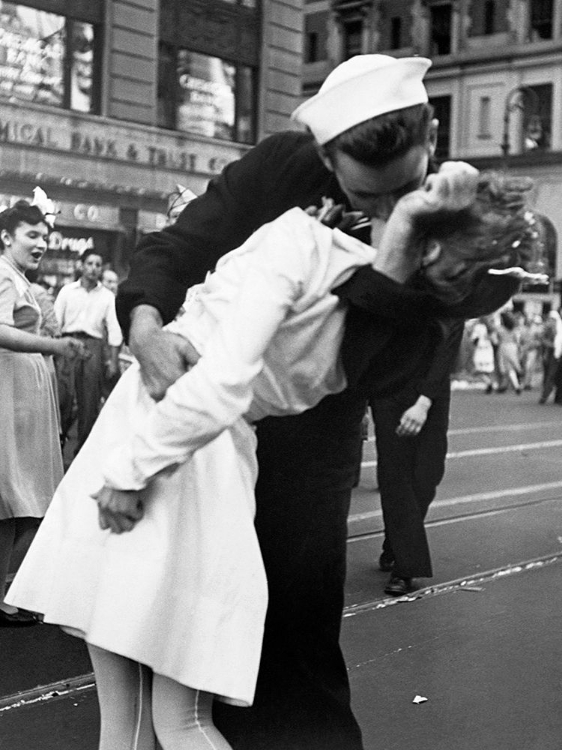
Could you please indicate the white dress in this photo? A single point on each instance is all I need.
(483, 357)
(185, 591)
(30, 455)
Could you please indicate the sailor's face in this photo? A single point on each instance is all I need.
(376, 190)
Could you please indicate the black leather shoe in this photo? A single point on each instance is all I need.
(398, 586)
(18, 619)
(386, 562)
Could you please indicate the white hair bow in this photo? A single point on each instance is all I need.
(45, 205)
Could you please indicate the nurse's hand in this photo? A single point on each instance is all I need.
(119, 510)
(452, 188)
(163, 356)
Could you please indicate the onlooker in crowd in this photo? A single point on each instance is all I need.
(177, 201)
(30, 455)
(411, 440)
(529, 349)
(551, 347)
(110, 280)
(85, 309)
(508, 354)
(49, 324)
(484, 362)
(493, 322)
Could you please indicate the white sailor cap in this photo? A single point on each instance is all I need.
(363, 87)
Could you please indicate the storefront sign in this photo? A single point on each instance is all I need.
(118, 148)
(69, 245)
(99, 216)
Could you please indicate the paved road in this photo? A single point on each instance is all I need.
(481, 642)
(484, 644)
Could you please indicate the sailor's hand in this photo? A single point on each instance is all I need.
(163, 356)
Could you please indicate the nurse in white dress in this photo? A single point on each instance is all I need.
(184, 592)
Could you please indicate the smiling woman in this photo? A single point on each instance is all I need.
(28, 408)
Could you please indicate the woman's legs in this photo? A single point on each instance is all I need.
(514, 380)
(182, 717)
(124, 694)
(131, 697)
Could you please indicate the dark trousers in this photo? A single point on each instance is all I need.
(81, 379)
(552, 377)
(306, 471)
(409, 470)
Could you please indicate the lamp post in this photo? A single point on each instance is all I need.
(516, 100)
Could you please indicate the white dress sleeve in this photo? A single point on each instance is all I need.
(219, 388)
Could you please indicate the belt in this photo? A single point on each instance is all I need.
(80, 335)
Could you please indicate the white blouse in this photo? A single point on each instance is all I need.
(269, 332)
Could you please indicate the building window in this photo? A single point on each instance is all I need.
(542, 12)
(316, 35)
(489, 17)
(537, 119)
(395, 32)
(352, 38)
(484, 117)
(206, 95)
(442, 107)
(311, 52)
(48, 58)
(441, 24)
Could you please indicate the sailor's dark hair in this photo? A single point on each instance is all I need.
(380, 140)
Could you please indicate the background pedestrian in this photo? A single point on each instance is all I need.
(85, 309)
(30, 455)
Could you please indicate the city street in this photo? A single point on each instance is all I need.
(471, 661)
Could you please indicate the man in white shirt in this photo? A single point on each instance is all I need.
(85, 309)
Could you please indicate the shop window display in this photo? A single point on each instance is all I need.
(209, 96)
(47, 58)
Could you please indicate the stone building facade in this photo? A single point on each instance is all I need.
(108, 104)
(495, 82)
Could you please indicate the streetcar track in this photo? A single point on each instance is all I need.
(515, 427)
(493, 451)
(467, 499)
(48, 692)
(466, 584)
(357, 537)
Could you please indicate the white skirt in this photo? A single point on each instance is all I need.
(185, 591)
(30, 454)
